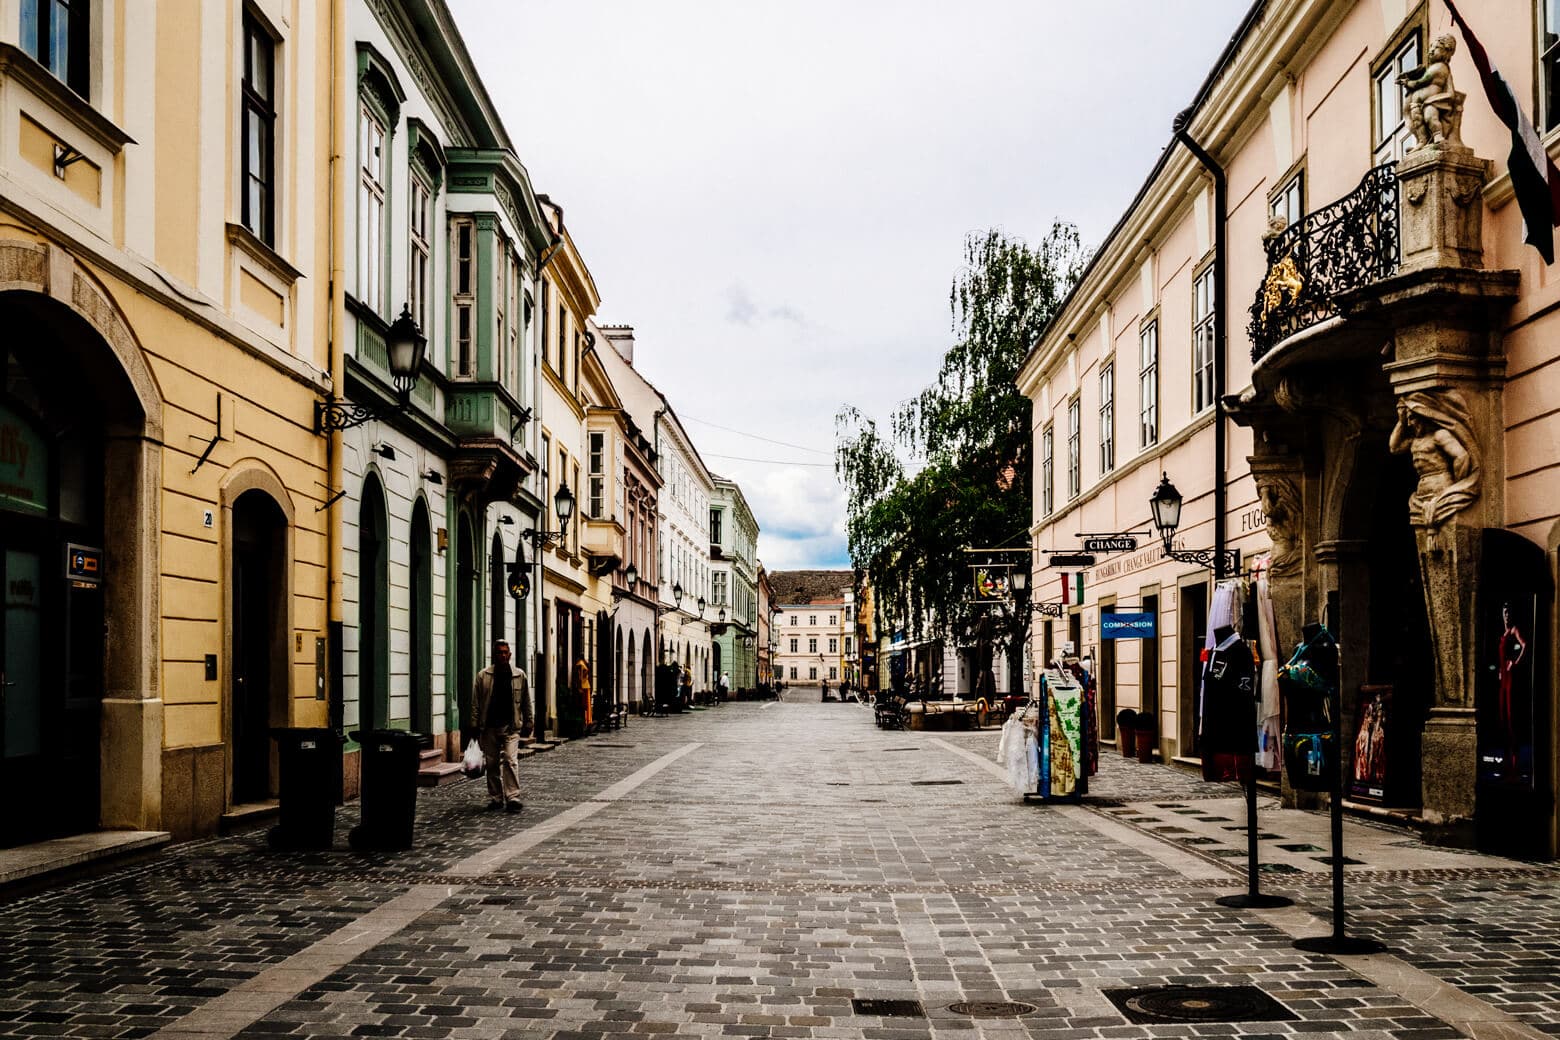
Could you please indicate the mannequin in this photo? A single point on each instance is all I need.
(1229, 725)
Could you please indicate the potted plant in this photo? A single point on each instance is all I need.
(1126, 727)
(1147, 734)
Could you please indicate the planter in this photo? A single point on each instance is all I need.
(1126, 724)
(916, 716)
(1146, 734)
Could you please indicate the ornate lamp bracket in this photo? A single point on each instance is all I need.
(1224, 564)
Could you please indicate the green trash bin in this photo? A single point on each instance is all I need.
(387, 799)
(310, 778)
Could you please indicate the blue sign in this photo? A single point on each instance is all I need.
(1128, 626)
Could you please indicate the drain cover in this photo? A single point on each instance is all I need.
(933, 783)
(597, 744)
(1158, 1005)
(991, 1008)
(887, 1008)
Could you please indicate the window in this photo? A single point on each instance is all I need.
(417, 272)
(546, 312)
(812, 620)
(793, 671)
(1289, 201)
(1202, 341)
(850, 614)
(832, 619)
(1392, 136)
(546, 476)
(510, 345)
(575, 486)
(465, 299)
(812, 673)
(795, 618)
(1148, 385)
(718, 595)
(849, 641)
(563, 340)
(500, 290)
(598, 475)
(55, 32)
(812, 645)
(1549, 61)
(259, 130)
(1047, 470)
(793, 644)
(715, 526)
(1108, 418)
(833, 672)
(371, 211)
(1074, 447)
(834, 646)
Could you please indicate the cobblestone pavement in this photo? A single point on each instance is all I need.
(790, 858)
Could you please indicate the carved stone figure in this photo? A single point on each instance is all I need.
(1434, 107)
(1281, 505)
(1436, 430)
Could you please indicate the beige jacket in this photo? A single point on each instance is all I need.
(482, 692)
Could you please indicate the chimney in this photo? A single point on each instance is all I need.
(622, 339)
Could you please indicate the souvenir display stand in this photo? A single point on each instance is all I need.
(1313, 735)
(1067, 742)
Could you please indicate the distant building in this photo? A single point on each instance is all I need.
(810, 628)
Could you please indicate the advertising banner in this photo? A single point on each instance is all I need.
(1128, 626)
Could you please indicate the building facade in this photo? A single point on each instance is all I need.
(734, 586)
(810, 629)
(444, 228)
(1346, 318)
(163, 288)
(766, 628)
(687, 488)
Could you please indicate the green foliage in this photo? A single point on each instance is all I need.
(970, 427)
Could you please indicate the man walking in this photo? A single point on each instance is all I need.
(501, 703)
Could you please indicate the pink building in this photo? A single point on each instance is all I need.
(1384, 387)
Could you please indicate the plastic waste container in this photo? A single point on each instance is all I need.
(387, 796)
(310, 781)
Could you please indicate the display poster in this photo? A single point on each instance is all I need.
(1506, 723)
(1372, 725)
(1064, 735)
(24, 466)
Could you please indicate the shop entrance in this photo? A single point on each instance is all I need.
(420, 579)
(259, 663)
(1192, 621)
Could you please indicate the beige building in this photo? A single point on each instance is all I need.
(811, 627)
(1364, 398)
(164, 257)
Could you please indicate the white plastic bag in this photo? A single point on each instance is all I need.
(473, 763)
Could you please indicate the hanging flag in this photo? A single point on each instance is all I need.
(1534, 178)
(1072, 589)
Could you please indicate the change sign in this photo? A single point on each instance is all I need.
(1128, 626)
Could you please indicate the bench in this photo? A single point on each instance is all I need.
(889, 712)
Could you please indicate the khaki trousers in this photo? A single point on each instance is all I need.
(500, 748)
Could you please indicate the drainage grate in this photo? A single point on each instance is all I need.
(888, 1008)
(1162, 1005)
(991, 1008)
(934, 783)
(597, 744)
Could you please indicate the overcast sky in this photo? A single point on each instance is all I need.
(774, 194)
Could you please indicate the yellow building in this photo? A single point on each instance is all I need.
(164, 258)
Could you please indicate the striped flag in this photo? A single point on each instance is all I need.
(1534, 178)
(1072, 589)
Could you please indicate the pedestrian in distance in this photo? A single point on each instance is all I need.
(825, 689)
(501, 713)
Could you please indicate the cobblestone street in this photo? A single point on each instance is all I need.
(753, 869)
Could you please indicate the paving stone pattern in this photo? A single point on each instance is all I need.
(794, 861)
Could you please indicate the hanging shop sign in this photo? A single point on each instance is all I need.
(1071, 560)
(991, 582)
(1128, 626)
(1111, 543)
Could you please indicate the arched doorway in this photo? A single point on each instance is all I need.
(631, 672)
(373, 608)
(717, 661)
(258, 670)
(420, 581)
(497, 594)
(646, 662)
(465, 610)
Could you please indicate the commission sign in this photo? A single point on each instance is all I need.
(1128, 626)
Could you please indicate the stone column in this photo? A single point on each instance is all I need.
(131, 741)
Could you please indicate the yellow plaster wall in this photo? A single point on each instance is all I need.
(178, 136)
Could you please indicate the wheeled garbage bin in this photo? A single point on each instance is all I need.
(310, 780)
(387, 798)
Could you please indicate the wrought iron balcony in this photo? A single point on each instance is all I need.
(1343, 246)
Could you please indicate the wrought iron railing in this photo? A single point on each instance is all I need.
(1345, 245)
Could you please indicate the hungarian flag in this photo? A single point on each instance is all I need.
(1534, 177)
(1072, 589)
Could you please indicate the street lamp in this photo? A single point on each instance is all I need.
(1020, 581)
(631, 577)
(405, 346)
(1165, 506)
(563, 505)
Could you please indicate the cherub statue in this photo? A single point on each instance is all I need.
(1433, 106)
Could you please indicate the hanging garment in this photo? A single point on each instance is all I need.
(1031, 761)
(1309, 684)
(1229, 719)
(1268, 736)
(1224, 611)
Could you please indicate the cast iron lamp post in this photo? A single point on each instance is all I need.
(1020, 581)
(405, 344)
(1165, 507)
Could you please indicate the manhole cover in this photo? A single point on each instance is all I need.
(933, 783)
(1159, 1005)
(991, 1008)
(887, 1008)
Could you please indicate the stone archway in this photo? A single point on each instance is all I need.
(92, 350)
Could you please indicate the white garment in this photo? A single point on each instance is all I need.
(1031, 761)
(1268, 754)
